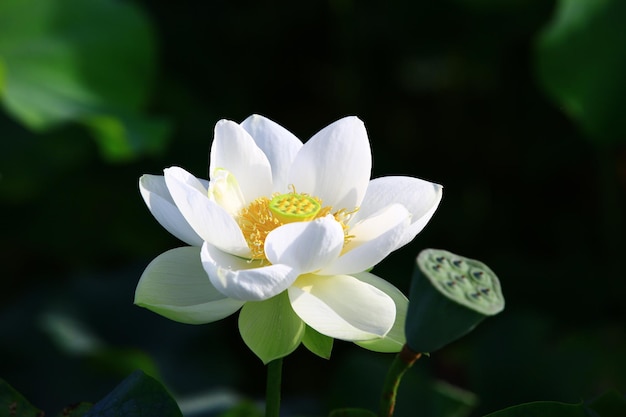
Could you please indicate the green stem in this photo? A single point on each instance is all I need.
(401, 363)
(272, 394)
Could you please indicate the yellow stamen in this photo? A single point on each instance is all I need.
(263, 215)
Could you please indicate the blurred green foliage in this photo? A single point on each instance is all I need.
(496, 100)
(581, 63)
(84, 62)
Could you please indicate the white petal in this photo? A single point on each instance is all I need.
(234, 150)
(342, 307)
(159, 201)
(335, 164)
(305, 246)
(176, 286)
(374, 239)
(243, 279)
(279, 145)
(210, 221)
(420, 197)
(395, 339)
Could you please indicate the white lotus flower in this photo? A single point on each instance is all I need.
(284, 224)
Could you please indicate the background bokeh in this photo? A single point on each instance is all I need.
(515, 107)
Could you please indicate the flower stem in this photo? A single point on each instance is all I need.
(272, 394)
(401, 363)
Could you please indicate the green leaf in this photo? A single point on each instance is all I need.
(351, 412)
(580, 62)
(138, 395)
(450, 295)
(81, 61)
(270, 328)
(319, 344)
(542, 408)
(13, 404)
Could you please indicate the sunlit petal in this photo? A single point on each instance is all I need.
(305, 246)
(342, 306)
(235, 151)
(279, 145)
(335, 164)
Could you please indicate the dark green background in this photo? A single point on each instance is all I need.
(466, 93)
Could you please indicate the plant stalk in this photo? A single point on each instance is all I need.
(401, 363)
(272, 393)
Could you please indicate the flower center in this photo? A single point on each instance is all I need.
(293, 207)
(263, 215)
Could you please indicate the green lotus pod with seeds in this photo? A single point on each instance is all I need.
(450, 295)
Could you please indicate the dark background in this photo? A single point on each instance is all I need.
(450, 91)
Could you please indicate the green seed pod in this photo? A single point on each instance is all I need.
(450, 295)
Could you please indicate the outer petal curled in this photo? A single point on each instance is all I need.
(421, 198)
(159, 201)
(374, 238)
(176, 286)
(207, 218)
(342, 306)
(242, 279)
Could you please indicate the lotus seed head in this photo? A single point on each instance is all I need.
(294, 207)
(466, 281)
